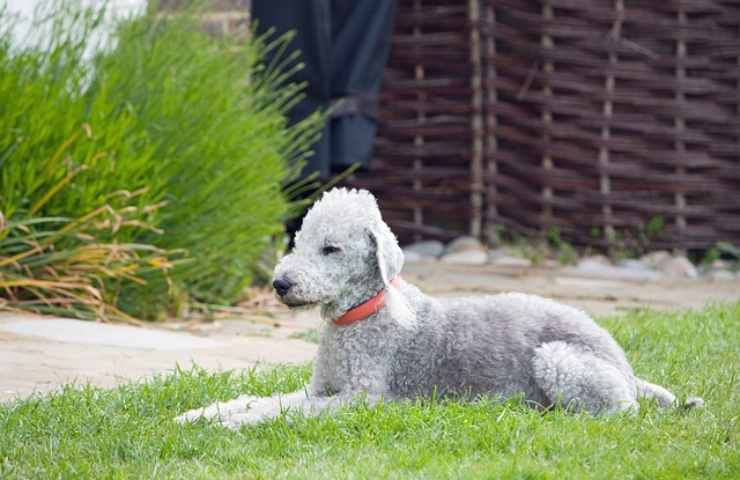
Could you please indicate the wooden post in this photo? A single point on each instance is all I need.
(680, 122)
(491, 144)
(419, 75)
(608, 111)
(549, 68)
(476, 166)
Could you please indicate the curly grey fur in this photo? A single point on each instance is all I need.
(418, 346)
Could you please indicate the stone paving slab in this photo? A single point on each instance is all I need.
(102, 334)
(34, 358)
(597, 295)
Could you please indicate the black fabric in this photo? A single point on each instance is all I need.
(345, 46)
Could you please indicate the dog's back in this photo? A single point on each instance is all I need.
(485, 344)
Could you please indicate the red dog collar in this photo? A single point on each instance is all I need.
(366, 308)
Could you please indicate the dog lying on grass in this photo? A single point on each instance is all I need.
(383, 339)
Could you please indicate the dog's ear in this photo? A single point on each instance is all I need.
(388, 254)
(389, 257)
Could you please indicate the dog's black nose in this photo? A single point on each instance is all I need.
(282, 285)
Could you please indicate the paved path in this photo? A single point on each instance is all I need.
(39, 354)
(598, 295)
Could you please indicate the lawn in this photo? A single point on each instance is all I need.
(129, 431)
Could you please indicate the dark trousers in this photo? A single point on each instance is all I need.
(345, 46)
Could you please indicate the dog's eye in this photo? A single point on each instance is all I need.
(329, 249)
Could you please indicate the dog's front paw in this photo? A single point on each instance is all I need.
(191, 416)
(235, 422)
(218, 410)
(260, 411)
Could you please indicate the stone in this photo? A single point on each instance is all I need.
(470, 257)
(412, 256)
(678, 267)
(652, 259)
(495, 253)
(552, 264)
(632, 264)
(590, 268)
(464, 244)
(721, 275)
(465, 251)
(425, 249)
(637, 266)
(510, 261)
(583, 284)
(600, 259)
(721, 265)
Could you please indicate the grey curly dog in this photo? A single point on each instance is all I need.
(383, 339)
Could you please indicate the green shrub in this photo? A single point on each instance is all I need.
(193, 123)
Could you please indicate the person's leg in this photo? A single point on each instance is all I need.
(361, 44)
(344, 46)
(310, 24)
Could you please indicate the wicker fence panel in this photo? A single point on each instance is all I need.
(592, 116)
(421, 170)
(604, 114)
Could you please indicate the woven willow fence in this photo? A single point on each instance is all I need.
(597, 117)
(421, 172)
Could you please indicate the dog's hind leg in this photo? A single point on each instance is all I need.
(577, 379)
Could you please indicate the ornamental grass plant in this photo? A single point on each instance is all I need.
(194, 125)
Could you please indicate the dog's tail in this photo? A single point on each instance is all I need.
(664, 397)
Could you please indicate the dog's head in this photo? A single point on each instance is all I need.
(344, 253)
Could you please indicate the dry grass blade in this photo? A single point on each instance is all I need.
(74, 267)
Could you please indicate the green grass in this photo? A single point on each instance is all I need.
(129, 432)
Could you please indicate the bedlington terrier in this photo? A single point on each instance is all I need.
(383, 339)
